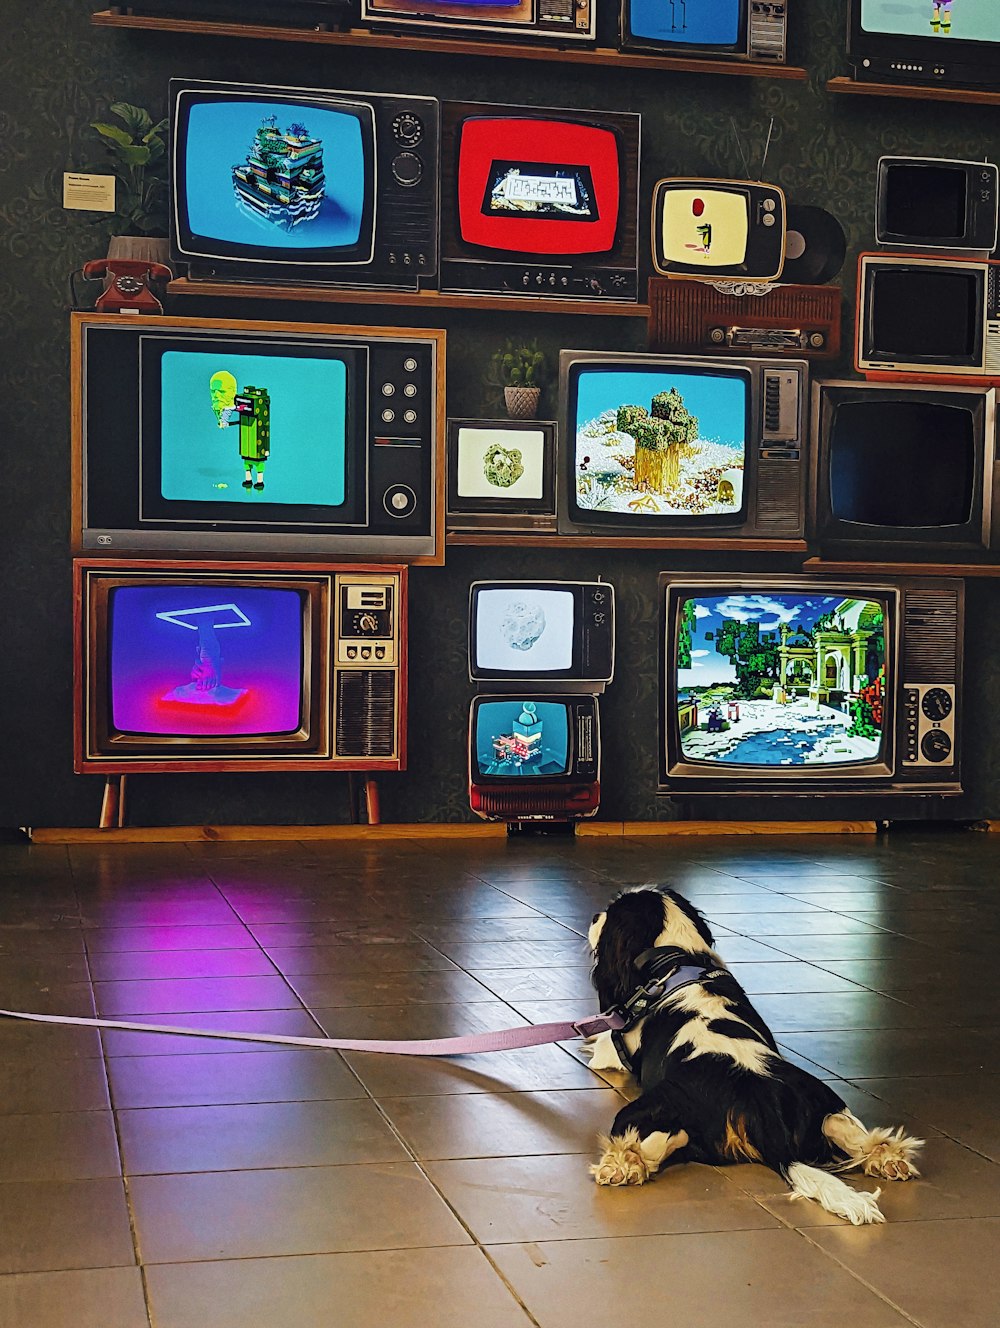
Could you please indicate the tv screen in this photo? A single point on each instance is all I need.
(657, 442)
(929, 201)
(538, 186)
(524, 630)
(212, 661)
(708, 227)
(777, 679)
(925, 313)
(223, 413)
(713, 24)
(902, 464)
(274, 177)
(969, 20)
(522, 739)
(497, 463)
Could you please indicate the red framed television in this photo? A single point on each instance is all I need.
(539, 202)
(182, 666)
(534, 757)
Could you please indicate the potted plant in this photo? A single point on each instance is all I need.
(136, 153)
(521, 371)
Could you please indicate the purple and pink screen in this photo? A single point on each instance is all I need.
(212, 661)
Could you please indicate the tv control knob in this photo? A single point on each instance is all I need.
(407, 169)
(410, 390)
(594, 285)
(352, 652)
(366, 652)
(937, 704)
(717, 336)
(935, 745)
(410, 364)
(817, 340)
(598, 596)
(984, 176)
(407, 129)
(767, 219)
(367, 622)
(410, 416)
(380, 652)
(399, 500)
(388, 415)
(388, 389)
(598, 619)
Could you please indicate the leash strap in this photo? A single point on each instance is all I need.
(507, 1039)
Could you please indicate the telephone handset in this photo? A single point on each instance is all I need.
(127, 287)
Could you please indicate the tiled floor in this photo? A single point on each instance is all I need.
(177, 1183)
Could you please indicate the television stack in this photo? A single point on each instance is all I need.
(540, 653)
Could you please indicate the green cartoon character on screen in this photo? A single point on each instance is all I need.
(250, 410)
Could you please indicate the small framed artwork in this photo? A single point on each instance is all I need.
(501, 475)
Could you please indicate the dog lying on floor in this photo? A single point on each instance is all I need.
(715, 1087)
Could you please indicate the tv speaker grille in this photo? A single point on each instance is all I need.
(366, 712)
(778, 507)
(930, 636)
(500, 802)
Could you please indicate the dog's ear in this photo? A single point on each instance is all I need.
(630, 925)
(693, 916)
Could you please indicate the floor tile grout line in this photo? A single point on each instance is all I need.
(803, 1232)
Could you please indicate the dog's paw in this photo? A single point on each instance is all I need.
(622, 1162)
(892, 1158)
(603, 1055)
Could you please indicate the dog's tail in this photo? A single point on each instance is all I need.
(858, 1207)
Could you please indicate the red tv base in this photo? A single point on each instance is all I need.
(541, 802)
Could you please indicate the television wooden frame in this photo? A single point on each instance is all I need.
(79, 322)
(94, 578)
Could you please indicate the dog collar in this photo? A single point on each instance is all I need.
(662, 973)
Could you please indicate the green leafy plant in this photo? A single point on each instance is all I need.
(136, 153)
(517, 365)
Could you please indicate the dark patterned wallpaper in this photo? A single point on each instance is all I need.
(58, 73)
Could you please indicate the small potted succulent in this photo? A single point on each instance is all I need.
(521, 370)
(136, 154)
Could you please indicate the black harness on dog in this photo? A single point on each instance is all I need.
(662, 973)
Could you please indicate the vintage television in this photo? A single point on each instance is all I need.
(948, 45)
(935, 203)
(556, 21)
(718, 229)
(524, 633)
(806, 685)
(539, 202)
(501, 475)
(904, 466)
(718, 29)
(934, 319)
(234, 438)
(534, 756)
(183, 666)
(682, 448)
(280, 185)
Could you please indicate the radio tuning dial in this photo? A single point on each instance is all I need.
(936, 704)
(407, 129)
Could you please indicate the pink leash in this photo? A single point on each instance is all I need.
(506, 1039)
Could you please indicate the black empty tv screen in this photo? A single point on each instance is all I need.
(902, 464)
(925, 314)
(926, 202)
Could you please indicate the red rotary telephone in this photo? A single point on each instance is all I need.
(127, 284)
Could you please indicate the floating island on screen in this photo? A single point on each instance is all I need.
(653, 462)
(780, 679)
(282, 180)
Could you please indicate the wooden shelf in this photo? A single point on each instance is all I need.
(902, 569)
(971, 96)
(235, 290)
(604, 56)
(556, 541)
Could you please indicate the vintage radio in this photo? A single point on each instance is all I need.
(692, 316)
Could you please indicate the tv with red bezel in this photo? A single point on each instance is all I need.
(539, 202)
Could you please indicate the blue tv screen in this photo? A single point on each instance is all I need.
(522, 739)
(274, 178)
(707, 24)
(208, 661)
(782, 679)
(245, 429)
(658, 442)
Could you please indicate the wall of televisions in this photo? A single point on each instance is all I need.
(262, 505)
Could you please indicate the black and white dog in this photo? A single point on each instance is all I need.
(715, 1087)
